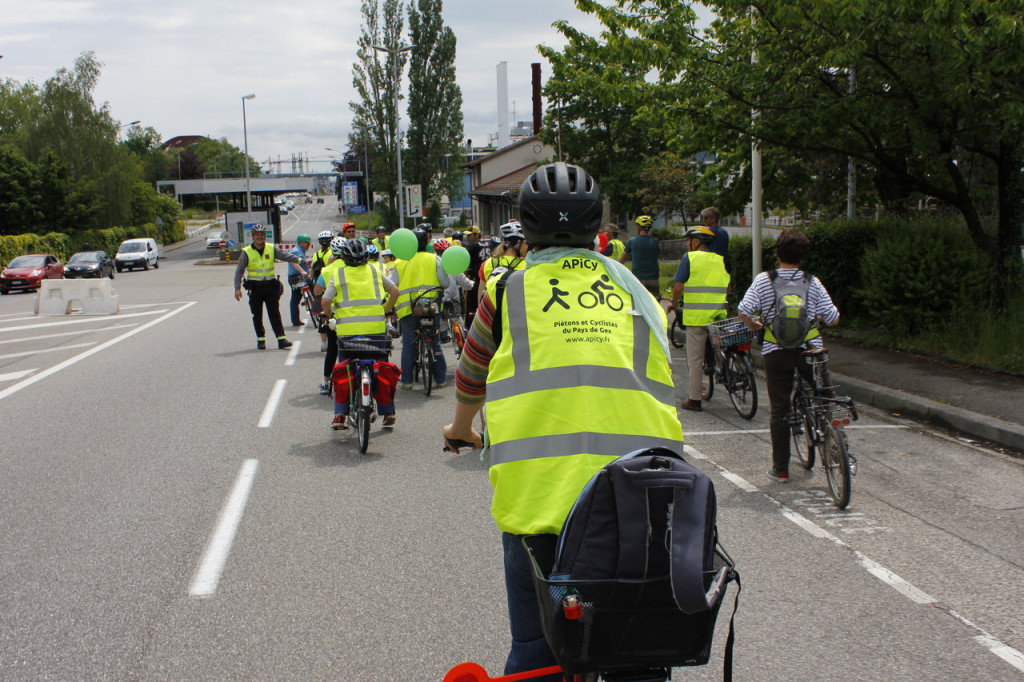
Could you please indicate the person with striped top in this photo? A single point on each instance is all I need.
(790, 249)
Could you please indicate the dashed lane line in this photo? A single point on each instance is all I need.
(47, 350)
(11, 376)
(267, 418)
(207, 576)
(739, 432)
(907, 589)
(293, 354)
(82, 320)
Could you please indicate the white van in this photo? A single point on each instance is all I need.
(137, 253)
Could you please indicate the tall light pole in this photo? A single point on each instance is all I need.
(245, 136)
(395, 52)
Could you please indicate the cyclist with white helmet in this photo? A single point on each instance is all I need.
(331, 342)
(510, 255)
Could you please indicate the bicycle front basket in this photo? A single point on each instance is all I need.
(623, 624)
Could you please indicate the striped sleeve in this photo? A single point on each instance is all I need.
(471, 374)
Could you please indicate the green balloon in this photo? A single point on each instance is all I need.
(403, 243)
(455, 259)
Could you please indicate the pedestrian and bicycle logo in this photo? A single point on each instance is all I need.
(587, 300)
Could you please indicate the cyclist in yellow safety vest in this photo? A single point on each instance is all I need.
(511, 254)
(415, 276)
(577, 376)
(330, 346)
(381, 240)
(354, 294)
(703, 283)
(615, 248)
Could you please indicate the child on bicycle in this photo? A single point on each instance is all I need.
(790, 249)
(354, 294)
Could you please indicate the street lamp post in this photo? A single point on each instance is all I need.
(395, 52)
(245, 136)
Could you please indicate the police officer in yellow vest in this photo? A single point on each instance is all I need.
(414, 277)
(703, 283)
(354, 294)
(257, 263)
(578, 376)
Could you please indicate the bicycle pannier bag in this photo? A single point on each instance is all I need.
(387, 374)
(341, 378)
(790, 324)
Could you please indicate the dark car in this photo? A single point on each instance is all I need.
(319, 200)
(26, 273)
(89, 264)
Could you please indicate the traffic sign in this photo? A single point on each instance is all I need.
(357, 209)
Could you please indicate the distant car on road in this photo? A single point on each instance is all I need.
(284, 208)
(319, 200)
(218, 240)
(26, 273)
(89, 264)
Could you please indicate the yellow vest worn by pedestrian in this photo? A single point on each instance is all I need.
(704, 292)
(513, 262)
(415, 276)
(577, 381)
(260, 267)
(357, 301)
(618, 248)
(380, 242)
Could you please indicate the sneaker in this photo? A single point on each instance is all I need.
(405, 387)
(443, 384)
(300, 323)
(339, 422)
(692, 406)
(323, 347)
(389, 421)
(325, 388)
(261, 344)
(284, 343)
(779, 475)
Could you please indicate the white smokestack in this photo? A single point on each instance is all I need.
(503, 129)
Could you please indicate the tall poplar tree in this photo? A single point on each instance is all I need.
(435, 106)
(374, 80)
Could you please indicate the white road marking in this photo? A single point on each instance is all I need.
(293, 354)
(11, 376)
(908, 590)
(48, 350)
(275, 397)
(204, 584)
(92, 351)
(74, 333)
(740, 432)
(81, 320)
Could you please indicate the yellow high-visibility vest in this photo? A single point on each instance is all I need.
(357, 301)
(704, 292)
(415, 276)
(260, 267)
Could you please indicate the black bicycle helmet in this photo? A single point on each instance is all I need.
(560, 205)
(421, 238)
(354, 252)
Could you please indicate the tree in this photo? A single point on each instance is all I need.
(435, 105)
(596, 89)
(18, 196)
(374, 79)
(667, 187)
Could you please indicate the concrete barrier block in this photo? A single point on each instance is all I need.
(64, 296)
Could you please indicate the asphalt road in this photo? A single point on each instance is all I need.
(131, 444)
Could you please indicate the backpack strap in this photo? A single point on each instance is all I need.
(687, 545)
(500, 295)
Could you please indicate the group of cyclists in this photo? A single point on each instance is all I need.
(359, 289)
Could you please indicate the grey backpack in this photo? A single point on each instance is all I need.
(790, 324)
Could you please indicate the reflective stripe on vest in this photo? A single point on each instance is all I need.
(705, 291)
(573, 385)
(618, 248)
(260, 267)
(415, 276)
(357, 301)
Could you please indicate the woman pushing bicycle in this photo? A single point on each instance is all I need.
(789, 301)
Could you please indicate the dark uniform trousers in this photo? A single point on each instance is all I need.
(266, 294)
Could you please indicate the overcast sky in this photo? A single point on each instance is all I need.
(181, 66)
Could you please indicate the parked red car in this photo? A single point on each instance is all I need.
(27, 272)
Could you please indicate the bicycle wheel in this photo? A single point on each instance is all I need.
(835, 457)
(707, 388)
(801, 428)
(741, 385)
(677, 333)
(363, 412)
(426, 365)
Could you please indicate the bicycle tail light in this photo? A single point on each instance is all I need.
(743, 347)
(572, 607)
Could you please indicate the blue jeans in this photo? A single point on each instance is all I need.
(409, 325)
(529, 650)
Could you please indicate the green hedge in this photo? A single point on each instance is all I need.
(64, 245)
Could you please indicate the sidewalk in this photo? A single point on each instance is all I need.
(979, 404)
